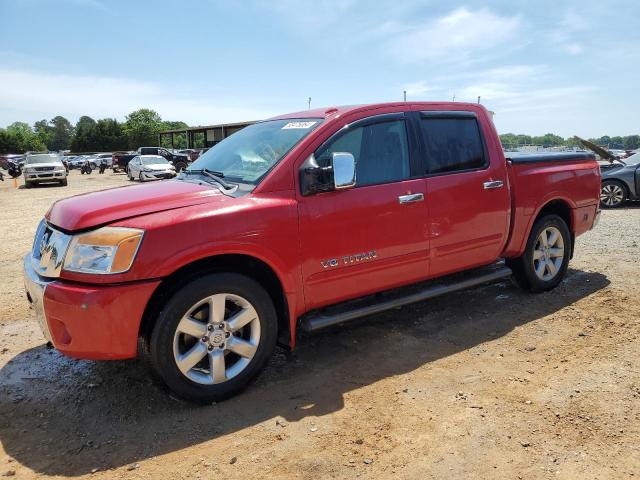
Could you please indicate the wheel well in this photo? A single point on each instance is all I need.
(563, 210)
(242, 264)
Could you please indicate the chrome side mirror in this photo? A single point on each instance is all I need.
(344, 170)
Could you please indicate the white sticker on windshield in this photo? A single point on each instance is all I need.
(298, 125)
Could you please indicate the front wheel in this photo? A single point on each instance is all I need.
(545, 260)
(213, 337)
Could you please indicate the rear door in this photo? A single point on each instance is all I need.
(467, 192)
(373, 236)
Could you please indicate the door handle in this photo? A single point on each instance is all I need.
(413, 197)
(493, 184)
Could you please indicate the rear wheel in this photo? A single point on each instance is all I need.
(545, 260)
(612, 194)
(213, 337)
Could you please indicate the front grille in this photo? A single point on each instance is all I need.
(44, 169)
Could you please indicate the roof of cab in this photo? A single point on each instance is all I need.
(339, 111)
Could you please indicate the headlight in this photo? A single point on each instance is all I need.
(106, 250)
(29, 170)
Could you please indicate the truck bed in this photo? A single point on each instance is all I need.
(569, 178)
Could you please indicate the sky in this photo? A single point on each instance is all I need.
(565, 67)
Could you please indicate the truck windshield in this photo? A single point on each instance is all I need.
(45, 158)
(247, 155)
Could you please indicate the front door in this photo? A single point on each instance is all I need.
(371, 237)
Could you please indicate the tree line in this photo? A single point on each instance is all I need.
(140, 128)
(510, 140)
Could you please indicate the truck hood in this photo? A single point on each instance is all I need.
(95, 209)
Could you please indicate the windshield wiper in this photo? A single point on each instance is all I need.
(214, 175)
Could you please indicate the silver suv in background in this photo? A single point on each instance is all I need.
(44, 167)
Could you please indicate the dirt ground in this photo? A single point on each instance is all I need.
(489, 383)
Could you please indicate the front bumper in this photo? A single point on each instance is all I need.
(45, 176)
(159, 175)
(97, 322)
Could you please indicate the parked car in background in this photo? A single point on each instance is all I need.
(620, 181)
(282, 225)
(178, 160)
(192, 153)
(76, 162)
(104, 157)
(44, 167)
(621, 154)
(12, 163)
(150, 167)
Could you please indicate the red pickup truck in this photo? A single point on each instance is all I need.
(295, 223)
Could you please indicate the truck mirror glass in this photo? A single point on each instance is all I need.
(344, 170)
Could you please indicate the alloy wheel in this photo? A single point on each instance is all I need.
(611, 195)
(216, 339)
(548, 253)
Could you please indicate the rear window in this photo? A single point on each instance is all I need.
(452, 144)
(153, 160)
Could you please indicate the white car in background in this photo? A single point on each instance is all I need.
(150, 167)
(44, 167)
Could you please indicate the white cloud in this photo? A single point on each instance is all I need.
(417, 88)
(573, 48)
(97, 4)
(454, 37)
(37, 95)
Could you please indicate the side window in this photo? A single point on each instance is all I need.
(452, 144)
(380, 149)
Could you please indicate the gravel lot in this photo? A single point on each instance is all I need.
(489, 383)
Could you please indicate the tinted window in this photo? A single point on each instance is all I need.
(452, 144)
(380, 150)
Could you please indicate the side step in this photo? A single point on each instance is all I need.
(326, 318)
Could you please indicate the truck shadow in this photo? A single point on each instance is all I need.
(64, 417)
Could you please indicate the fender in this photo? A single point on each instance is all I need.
(520, 233)
(288, 275)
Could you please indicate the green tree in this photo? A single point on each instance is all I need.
(632, 142)
(142, 128)
(61, 133)
(44, 131)
(84, 135)
(8, 142)
(548, 140)
(109, 136)
(23, 138)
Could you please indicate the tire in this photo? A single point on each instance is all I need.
(140, 177)
(64, 182)
(613, 194)
(256, 338)
(28, 184)
(180, 166)
(551, 262)
(131, 179)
